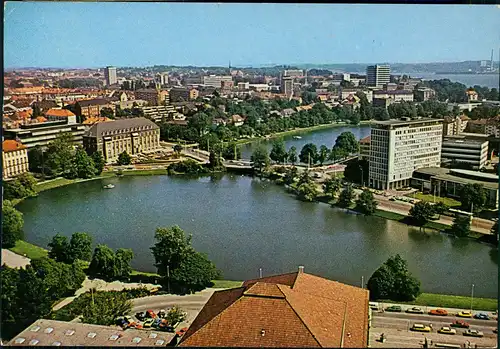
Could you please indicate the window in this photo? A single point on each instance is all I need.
(48, 330)
(113, 337)
(35, 329)
(153, 335)
(136, 340)
(19, 340)
(160, 342)
(69, 332)
(34, 342)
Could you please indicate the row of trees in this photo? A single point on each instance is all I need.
(12, 224)
(21, 187)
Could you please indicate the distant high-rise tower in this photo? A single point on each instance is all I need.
(491, 64)
(287, 86)
(110, 76)
(378, 75)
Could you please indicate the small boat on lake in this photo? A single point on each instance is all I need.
(297, 137)
(109, 186)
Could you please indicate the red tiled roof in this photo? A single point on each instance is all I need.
(12, 145)
(59, 113)
(289, 310)
(365, 140)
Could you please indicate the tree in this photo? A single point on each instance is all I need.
(309, 154)
(195, 273)
(103, 264)
(332, 186)
(347, 142)
(346, 196)
(422, 212)
(105, 308)
(99, 162)
(80, 247)
(473, 197)
(323, 154)
(83, 164)
(201, 122)
(123, 258)
(366, 202)
(107, 112)
(440, 208)
(290, 175)
(29, 184)
(356, 171)
(178, 149)
(59, 248)
(494, 231)
(260, 158)
(36, 112)
(380, 113)
(392, 280)
(461, 226)
(231, 151)
(171, 247)
(175, 315)
(124, 159)
(307, 191)
(278, 152)
(337, 154)
(292, 155)
(214, 161)
(60, 154)
(12, 224)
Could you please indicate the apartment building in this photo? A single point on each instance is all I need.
(399, 147)
(110, 76)
(15, 158)
(294, 73)
(460, 149)
(182, 94)
(395, 95)
(134, 136)
(378, 75)
(423, 94)
(364, 148)
(157, 113)
(153, 96)
(43, 133)
(56, 114)
(216, 80)
(455, 125)
(92, 108)
(287, 86)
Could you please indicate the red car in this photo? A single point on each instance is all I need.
(150, 314)
(460, 323)
(438, 312)
(181, 332)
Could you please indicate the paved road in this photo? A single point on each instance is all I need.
(14, 260)
(396, 328)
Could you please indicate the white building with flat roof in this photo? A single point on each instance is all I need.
(460, 149)
(378, 75)
(399, 147)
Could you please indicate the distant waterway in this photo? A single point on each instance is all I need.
(488, 80)
(244, 224)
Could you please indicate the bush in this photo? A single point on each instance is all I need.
(187, 167)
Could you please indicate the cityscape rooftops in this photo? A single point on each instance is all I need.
(59, 113)
(12, 145)
(120, 126)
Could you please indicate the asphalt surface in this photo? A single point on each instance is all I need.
(13, 260)
(396, 327)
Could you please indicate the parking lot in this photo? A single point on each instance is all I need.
(396, 326)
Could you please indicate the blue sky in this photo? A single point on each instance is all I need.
(142, 34)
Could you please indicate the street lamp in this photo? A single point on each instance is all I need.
(168, 278)
(362, 176)
(471, 297)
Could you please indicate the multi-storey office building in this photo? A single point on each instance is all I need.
(399, 147)
(378, 75)
(216, 80)
(110, 76)
(286, 87)
(460, 149)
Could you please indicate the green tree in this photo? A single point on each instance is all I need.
(99, 162)
(440, 208)
(59, 248)
(422, 212)
(201, 122)
(28, 181)
(105, 308)
(214, 161)
(178, 149)
(337, 154)
(366, 202)
(175, 315)
(473, 197)
(461, 226)
(278, 152)
(392, 280)
(12, 224)
(231, 152)
(80, 247)
(307, 191)
(103, 263)
(323, 154)
(84, 164)
(332, 186)
(309, 154)
(123, 258)
(124, 159)
(347, 142)
(13, 190)
(292, 155)
(107, 112)
(346, 196)
(59, 154)
(260, 158)
(195, 273)
(290, 175)
(171, 248)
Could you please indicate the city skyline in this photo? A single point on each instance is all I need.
(54, 34)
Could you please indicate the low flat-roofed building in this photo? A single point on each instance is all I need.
(15, 158)
(59, 333)
(56, 114)
(448, 182)
(158, 112)
(136, 135)
(461, 149)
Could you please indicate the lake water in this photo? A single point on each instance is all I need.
(244, 224)
(488, 80)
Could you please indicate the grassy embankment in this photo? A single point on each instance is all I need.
(430, 198)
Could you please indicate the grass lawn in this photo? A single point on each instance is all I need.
(226, 283)
(449, 301)
(31, 251)
(430, 198)
(389, 215)
(58, 182)
(136, 272)
(159, 171)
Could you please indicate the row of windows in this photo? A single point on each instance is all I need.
(129, 130)
(17, 161)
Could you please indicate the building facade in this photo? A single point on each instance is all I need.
(181, 94)
(216, 80)
(15, 158)
(60, 114)
(153, 96)
(423, 94)
(399, 147)
(294, 73)
(287, 86)
(364, 148)
(157, 113)
(110, 76)
(455, 125)
(395, 95)
(378, 75)
(134, 136)
(92, 108)
(460, 149)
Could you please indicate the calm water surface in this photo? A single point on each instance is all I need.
(244, 224)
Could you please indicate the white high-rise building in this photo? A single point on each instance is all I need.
(399, 147)
(378, 75)
(216, 80)
(110, 76)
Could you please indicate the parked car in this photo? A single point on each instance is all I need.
(438, 312)
(464, 314)
(181, 332)
(481, 316)
(460, 324)
(447, 330)
(473, 333)
(140, 315)
(150, 314)
(148, 323)
(394, 308)
(421, 328)
(415, 310)
(157, 322)
(162, 313)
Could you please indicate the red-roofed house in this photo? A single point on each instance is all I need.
(289, 310)
(237, 120)
(15, 158)
(60, 114)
